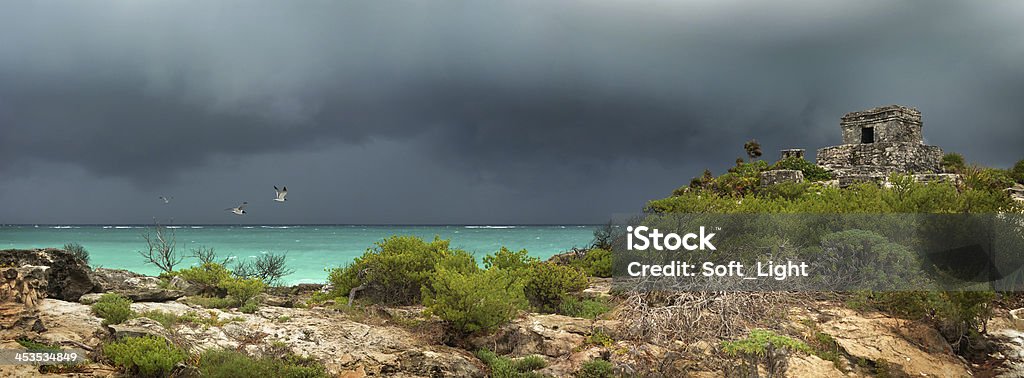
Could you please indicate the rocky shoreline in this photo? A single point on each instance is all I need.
(46, 296)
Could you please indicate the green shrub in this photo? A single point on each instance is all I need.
(596, 369)
(881, 264)
(1017, 172)
(546, 284)
(953, 163)
(600, 338)
(762, 348)
(230, 364)
(210, 302)
(207, 276)
(35, 346)
(113, 308)
(596, 262)
(78, 251)
(787, 191)
(506, 259)
(396, 269)
(166, 319)
(504, 367)
(472, 302)
(249, 307)
(811, 171)
(146, 356)
(989, 179)
(242, 290)
(583, 308)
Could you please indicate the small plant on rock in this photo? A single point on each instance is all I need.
(146, 356)
(113, 308)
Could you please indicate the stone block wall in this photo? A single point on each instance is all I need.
(880, 159)
(779, 176)
(891, 124)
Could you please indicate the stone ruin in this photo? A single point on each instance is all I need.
(876, 143)
(879, 142)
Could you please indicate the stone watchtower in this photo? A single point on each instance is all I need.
(881, 141)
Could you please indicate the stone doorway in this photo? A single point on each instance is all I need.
(867, 135)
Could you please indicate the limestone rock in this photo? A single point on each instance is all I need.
(21, 290)
(344, 346)
(874, 337)
(138, 327)
(547, 335)
(67, 276)
(138, 287)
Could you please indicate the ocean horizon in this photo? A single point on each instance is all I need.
(311, 248)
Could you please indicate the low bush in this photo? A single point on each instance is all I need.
(596, 369)
(249, 307)
(230, 364)
(35, 346)
(207, 276)
(545, 284)
(472, 302)
(504, 367)
(596, 262)
(953, 163)
(811, 171)
(78, 251)
(113, 308)
(242, 290)
(762, 348)
(396, 269)
(146, 356)
(583, 308)
(210, 302)
(989, 179)
(166, 319)
(507, 259)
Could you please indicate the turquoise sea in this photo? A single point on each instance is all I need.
(311, 248)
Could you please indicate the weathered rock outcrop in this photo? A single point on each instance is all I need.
(140, 288)
(902, 347)
(344, 346)
(21, 290)
(67, 276)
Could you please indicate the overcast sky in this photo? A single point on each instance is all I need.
(486, 112)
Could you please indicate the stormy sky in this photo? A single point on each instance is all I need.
(486, 112)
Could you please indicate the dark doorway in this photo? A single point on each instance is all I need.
(867, 135)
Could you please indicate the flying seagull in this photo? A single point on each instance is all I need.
(240, 210)
(166, 200)
(280, 193)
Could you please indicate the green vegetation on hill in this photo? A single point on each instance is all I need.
(958, 315)
(408, 270)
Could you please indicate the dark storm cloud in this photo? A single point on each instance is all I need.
(536, 96)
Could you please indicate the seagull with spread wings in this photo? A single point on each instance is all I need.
(240, 210)
(280, 193)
